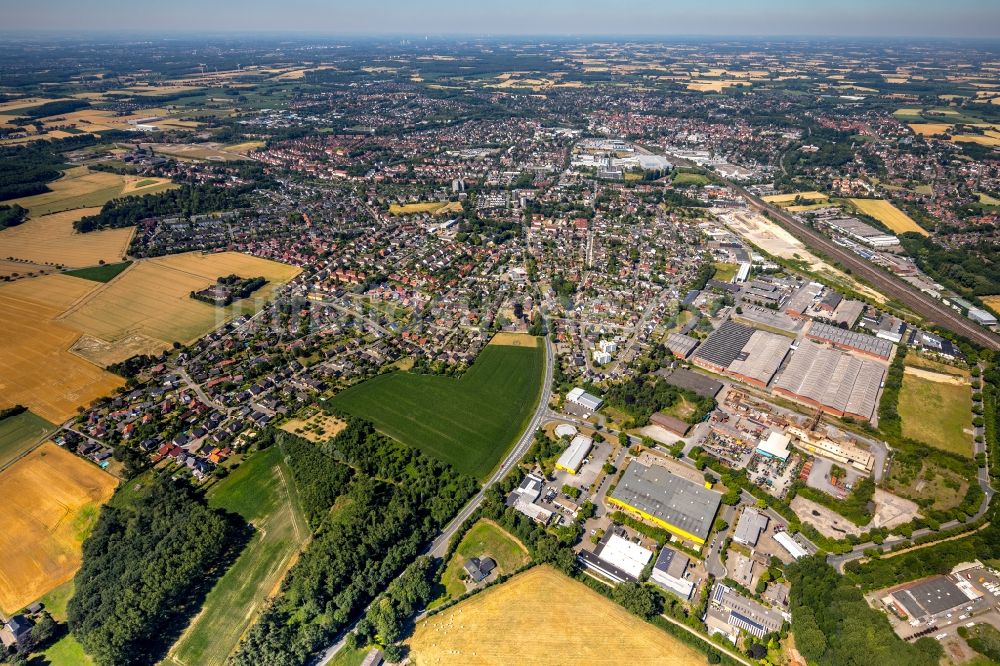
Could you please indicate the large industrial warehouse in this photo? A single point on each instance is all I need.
(844, 339)
(744, 353)
(834, 381)
(674, 503)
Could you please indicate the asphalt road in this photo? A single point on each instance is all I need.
(439, 546)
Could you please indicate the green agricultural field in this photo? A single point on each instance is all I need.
(485, 538)
(937, 413)
(18, 434)
(262, 491)
(104, 273)
(469, 422)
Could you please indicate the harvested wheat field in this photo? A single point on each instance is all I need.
(789, 198)
(547, 618)
(889, 215)
(152, 297)
(36, 368)
(992, 302)
(514, 340)
(50, 239)
(930, 129)
(80, 187)
(52, 499)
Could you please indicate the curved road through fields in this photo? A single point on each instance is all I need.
(439, 546)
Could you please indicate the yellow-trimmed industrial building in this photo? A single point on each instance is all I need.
(681, 507)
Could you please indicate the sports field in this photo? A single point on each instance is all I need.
(19, 433)
(152, 298)
(36, 368)
(937, 409)
(469, 422)
(79, 187)
(261, 491)
(485, 539)
(546, 617)
(889, 215)
(51, 500)
(51, 239)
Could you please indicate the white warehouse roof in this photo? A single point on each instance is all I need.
(627, 556)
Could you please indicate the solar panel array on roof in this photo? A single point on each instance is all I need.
(724, 345)
(844, 338)
(674, 500)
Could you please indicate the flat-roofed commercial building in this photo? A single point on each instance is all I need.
(742, 614)
(679, 506)
(834, 381)
(580, 397)
(572, 458)
(933, 597)
(668, 572)
(775, 446)
(750, 526)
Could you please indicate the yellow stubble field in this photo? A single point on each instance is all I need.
(51, 499)
(544, 612)
(152, 297)
(79, 187)
(36, 368)
(889, 215)
(51, 239)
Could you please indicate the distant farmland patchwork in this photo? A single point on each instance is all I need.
(469, 422)
(51, 500)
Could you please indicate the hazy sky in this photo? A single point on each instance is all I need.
(959, 18)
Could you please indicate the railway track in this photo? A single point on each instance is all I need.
(931, 309)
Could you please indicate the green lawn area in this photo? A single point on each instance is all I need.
(66, 652)
(18, 434)
(103, 273)
(262, 492)
(725, 272)
(485, 538)
(690, 178)
(937, 413)
(469, 422)
(348, 657)
(55, 602)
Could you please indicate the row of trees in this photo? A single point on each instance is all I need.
(185, 201)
